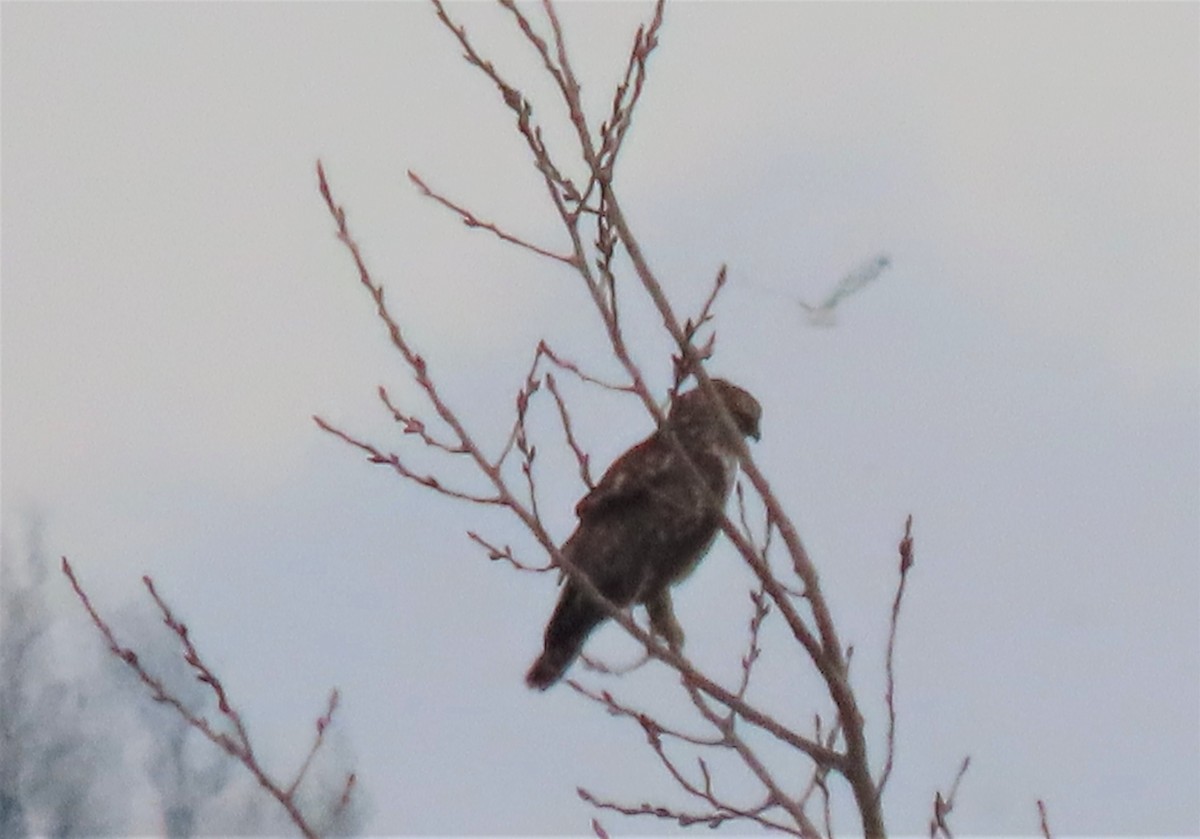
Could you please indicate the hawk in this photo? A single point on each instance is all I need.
(648, 523)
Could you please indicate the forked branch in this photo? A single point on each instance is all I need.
(238, 744)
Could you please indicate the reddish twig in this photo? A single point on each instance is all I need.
(323, 723)
(775, 794)
(374, 455)
(817, 780)
(762, 607)
(629, 91)
(568, 202)
(581, 457)
(203, 674)
(619, 709)
(495, 553)
(238, 747)
(347, 792)
(826, 804)
(413, 425)
(543, 349)
(906, 562)
(528, 450)
(470, 220)
(721, 813)
(415, 362)
(562, 189)
(943, 805)
(682, 363)
(1043, 820)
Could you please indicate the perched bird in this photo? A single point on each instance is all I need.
(648, 522)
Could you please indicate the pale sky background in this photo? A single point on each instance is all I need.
(1025, 380)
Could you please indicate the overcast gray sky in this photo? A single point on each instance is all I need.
(1025, 380)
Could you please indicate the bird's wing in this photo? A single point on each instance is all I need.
(631, 477)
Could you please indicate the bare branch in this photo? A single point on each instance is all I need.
(629, 91)
(581, 457)
(415, 362)
(776, 795)
(528, 450)
(471, 220)
(203, 674)
(817, 780)
(506, 554)
(906, 562)
(374, 455)
(562, 190)
(543, 349)
(412, 425)
(618, 709)
(323, 723)
(683, 362)
(762, 607)
(943, 805)
(1043, 821)
(239, 748)
(721, 813)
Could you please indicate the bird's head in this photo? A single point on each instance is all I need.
(743, 407)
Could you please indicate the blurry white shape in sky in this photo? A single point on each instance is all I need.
(822, 314)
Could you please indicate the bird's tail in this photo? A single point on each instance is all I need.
(574, 618)
(549, 668)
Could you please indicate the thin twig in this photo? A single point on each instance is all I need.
(684, 362)
(374, 455)
(943, 805)
(506, 554)
(629, 91)
(203, 674)
(619, 709)
(323, 722)
(1043, 820)
(581, 456)
(528, 450)
(817, 780)
(562, 190)
(906, 562)
(762, 607)
(543, 349)
(239, 748)
(413, 425)
(471, 220)
(776, 795)
(721, 813)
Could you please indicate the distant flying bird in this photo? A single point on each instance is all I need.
(822, 314)
(863, 275)
(648, 523)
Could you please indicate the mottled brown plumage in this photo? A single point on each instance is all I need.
(647, 523)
